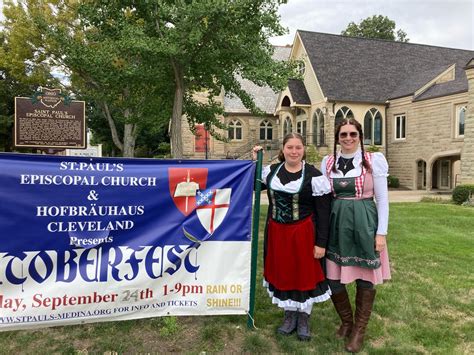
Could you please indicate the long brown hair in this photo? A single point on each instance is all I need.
(281, 156)
(358, 126)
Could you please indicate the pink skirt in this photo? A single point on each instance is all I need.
(348, 274)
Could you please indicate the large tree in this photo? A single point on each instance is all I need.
(142, 59)
(22, 69)
(376, 26)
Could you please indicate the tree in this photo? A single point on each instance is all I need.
(205, 44)
(22, 69)
(377, 26)
(142, 59)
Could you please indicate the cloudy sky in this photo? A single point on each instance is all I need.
(445, 23)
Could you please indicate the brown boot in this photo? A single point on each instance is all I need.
(364, 302)
(343, 307)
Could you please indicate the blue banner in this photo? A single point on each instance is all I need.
(107, 235)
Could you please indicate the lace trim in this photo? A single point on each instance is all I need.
(290, 303)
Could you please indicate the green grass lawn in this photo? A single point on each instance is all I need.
(427, 307)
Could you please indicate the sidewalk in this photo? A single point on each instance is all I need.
(393, 196)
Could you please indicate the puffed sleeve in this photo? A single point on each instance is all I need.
(265, 173)
(320, 185)
(380, 173)
(379, 165)
(323, 165)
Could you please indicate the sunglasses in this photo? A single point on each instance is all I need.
(352, 134)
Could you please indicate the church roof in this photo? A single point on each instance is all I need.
(373, 70)
(265, 98)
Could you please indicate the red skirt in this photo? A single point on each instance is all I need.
(290, 262)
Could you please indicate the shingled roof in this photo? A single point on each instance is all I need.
(265, 98)
(372, 70)
(298, 92)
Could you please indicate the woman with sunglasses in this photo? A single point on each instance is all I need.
(357, 244)
(296, 235)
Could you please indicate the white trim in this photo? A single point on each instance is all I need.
(290, 303)
(434, 80)
(395, 117)
(457, 112)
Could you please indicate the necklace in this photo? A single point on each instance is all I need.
(345, 161)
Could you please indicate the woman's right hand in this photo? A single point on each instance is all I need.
(255, 151)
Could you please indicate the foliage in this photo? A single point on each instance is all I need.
(372, 148)
(462, 193)
(143, 63)
(19, 76)
(312, 155)
(393, 181)
(376, 26)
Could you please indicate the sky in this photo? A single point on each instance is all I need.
(444, 23)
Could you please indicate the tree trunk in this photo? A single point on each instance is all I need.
(113, 128)
(129, 139)
(176, 134)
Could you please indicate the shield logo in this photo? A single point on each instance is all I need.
(183, 184)
(212, 207)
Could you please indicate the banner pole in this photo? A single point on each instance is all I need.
(255, 224)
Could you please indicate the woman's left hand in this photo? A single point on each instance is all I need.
(319, 252)
(380, 242)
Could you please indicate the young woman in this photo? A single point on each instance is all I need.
(357, 244)
(296, 235)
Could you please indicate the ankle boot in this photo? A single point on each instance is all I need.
(344, 310)
(289, 323)
(364, 302)
(303, 330)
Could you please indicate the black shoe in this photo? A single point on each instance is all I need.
(303, 330)
(289, 323)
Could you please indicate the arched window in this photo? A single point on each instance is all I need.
(287, 126)
(373, 127)
(318, 128)
(235, 130)
(301, 67)
(301, 118)
(266, 131)
(460, 120)
(344, 113)
(285, 102)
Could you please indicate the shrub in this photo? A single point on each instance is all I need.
(312, 155)
(393, 181)
(372, 148)
(461, 193)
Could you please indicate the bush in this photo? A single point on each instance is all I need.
(393, 181)
(312, 155)
(461, 193)
(372, 148)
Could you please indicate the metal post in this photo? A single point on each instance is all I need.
(256, 219)
(205, 138)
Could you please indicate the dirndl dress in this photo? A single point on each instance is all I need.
(351, 253)
(292, 276)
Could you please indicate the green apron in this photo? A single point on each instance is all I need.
(353, 227)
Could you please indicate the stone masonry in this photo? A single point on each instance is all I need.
(467, 156)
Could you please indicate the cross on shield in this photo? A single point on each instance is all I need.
(212, 207)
